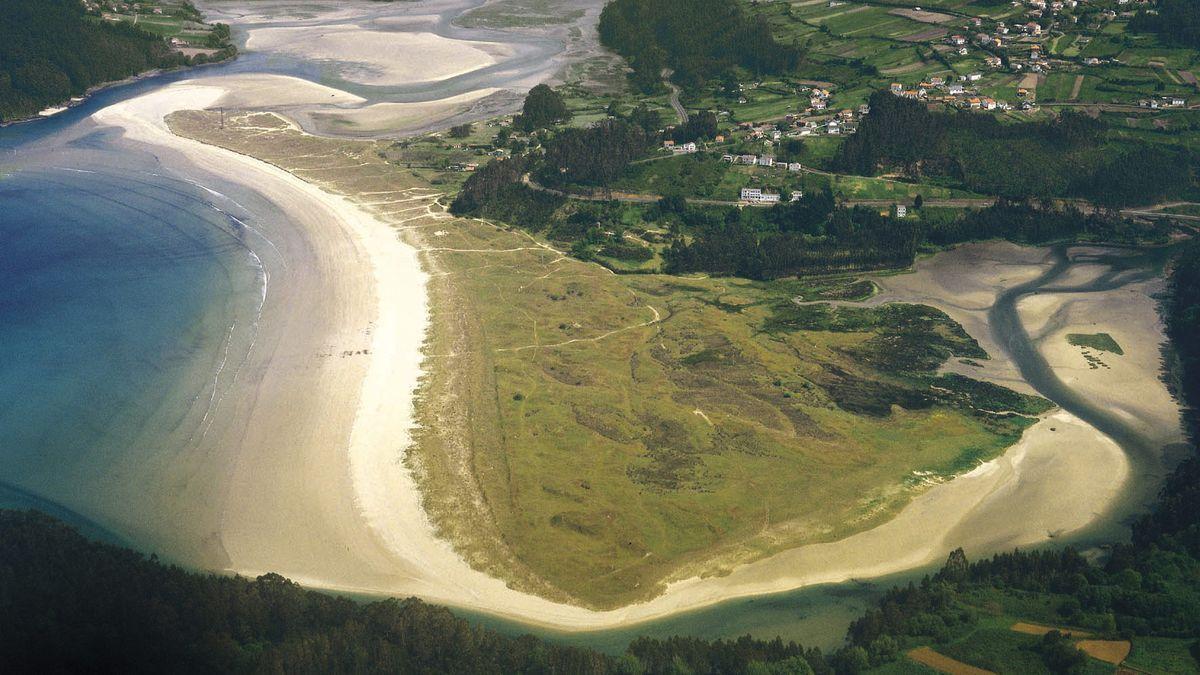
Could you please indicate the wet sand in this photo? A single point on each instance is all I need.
(412, 67)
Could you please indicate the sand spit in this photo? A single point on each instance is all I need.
(308, 466)
(380, 58)
(251, 90)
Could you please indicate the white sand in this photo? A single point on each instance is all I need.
(382, 118)
(379, 58)
(307, 480)
(253, 90)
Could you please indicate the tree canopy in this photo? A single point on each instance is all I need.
(1070, 156)
(696, 39)
(50, 51)
(543, 107)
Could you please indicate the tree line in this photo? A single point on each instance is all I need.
(814, 235)
(1071, 156)
(50, 51)
(1176, 21)
(696, 39)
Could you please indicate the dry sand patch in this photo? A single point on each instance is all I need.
(1039, 630)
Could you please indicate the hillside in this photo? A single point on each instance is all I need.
(52, 50)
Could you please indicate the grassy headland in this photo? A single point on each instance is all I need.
(589, 435)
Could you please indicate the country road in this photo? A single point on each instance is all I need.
(636, 198)
(680, 112)
(960, 203)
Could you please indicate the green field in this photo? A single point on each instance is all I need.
(1163, 656)
(1102, 342)
(177, 19)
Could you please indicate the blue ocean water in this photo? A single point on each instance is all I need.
(122, 281)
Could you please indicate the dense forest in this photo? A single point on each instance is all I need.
(50, 51)
(1068, 157)
(696, 39)
(812, 235)
(806, 237)
(1176, 21)
(815, 236)
(72, 605)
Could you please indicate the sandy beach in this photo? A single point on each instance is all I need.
(309, 461)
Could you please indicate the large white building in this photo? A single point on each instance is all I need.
(757, 196)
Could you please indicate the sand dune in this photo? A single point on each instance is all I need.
(253, 90)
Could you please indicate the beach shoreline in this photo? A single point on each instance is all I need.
(342, 512)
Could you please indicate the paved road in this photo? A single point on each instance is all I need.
(680, 112)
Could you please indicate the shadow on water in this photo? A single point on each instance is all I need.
(13, 497)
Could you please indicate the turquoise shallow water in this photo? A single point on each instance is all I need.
(128, 294)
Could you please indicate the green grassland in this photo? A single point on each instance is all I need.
(179, 19)
(590, 435)
(704, 176)
(1102, 342)
(1164, 656)
(727, 430)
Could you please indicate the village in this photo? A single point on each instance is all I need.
(773, 136)
(176, 21)
(1027, 44)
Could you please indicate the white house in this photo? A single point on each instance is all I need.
(757, 196)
